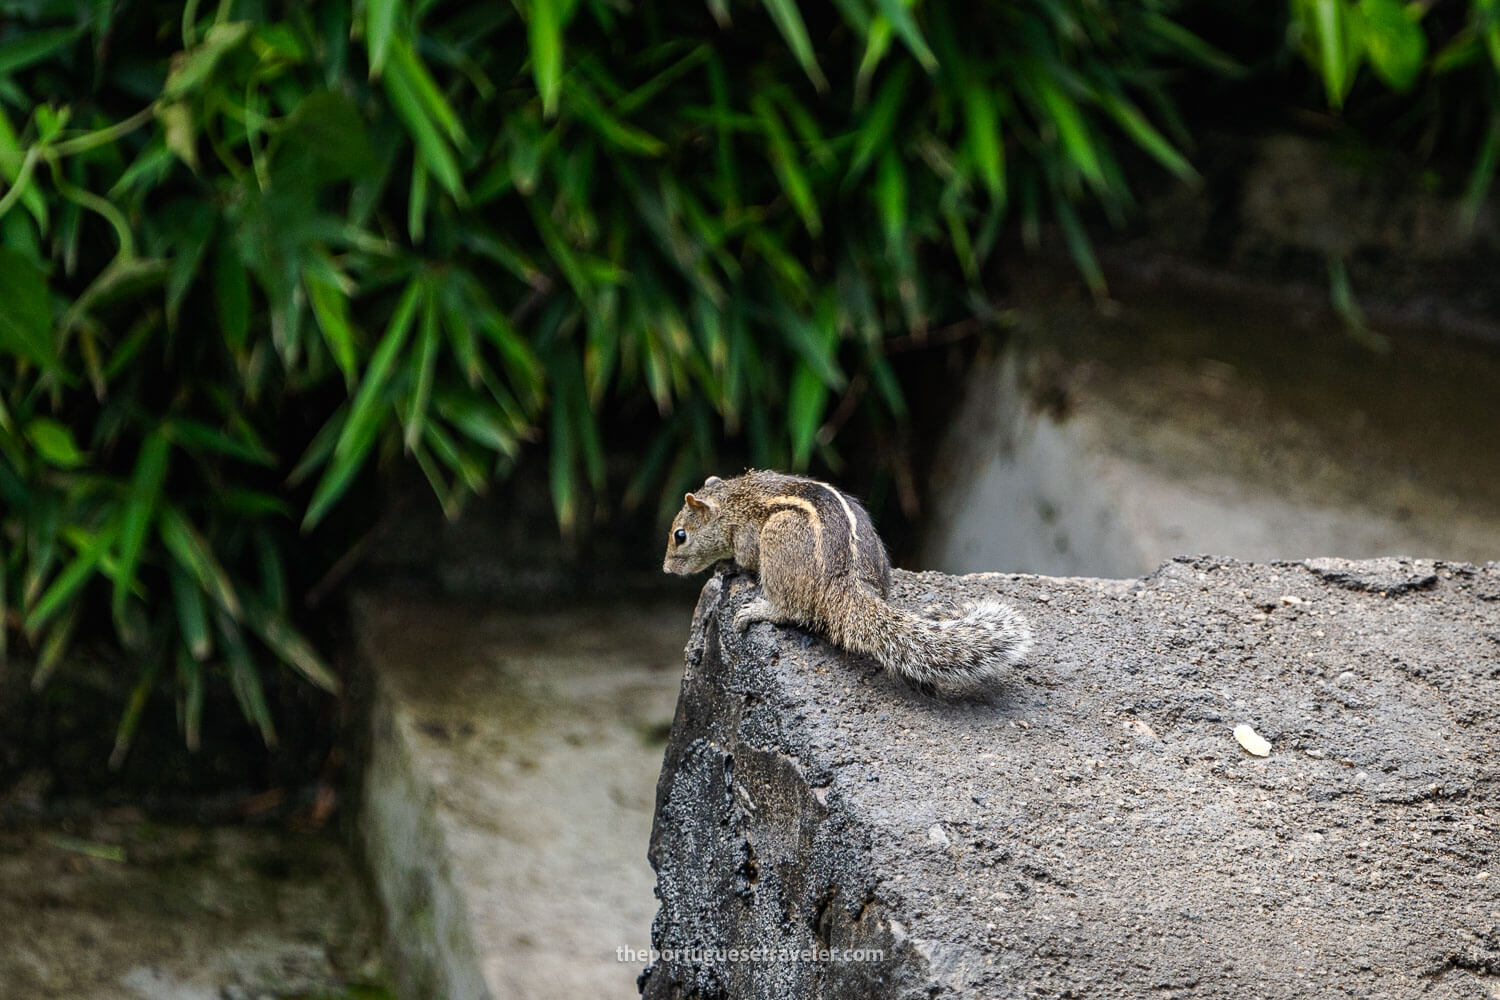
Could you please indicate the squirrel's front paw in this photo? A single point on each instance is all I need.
(758, 610)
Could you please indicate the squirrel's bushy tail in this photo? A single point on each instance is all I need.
(951, 656)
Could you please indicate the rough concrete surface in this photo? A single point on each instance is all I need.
(1095, 830)
(115, 907)
(507, 799)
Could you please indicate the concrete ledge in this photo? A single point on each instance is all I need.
(507, 795)
(1096, 830)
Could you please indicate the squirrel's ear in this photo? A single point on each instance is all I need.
(711, 480)
(706, 506)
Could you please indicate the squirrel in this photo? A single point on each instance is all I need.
(821, 565)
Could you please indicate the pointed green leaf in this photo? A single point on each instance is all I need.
(192, 613)
(54, 442)
(328, 291)
(982, 121)
(805, 404)
(289, 644)
(545, 33)
(366, 412)
(899, 14)
(788, 20)
(1394, 41)
(426, 364)
(244, 680)
(137, 513)
(196, 556)
(26, 320)
(190, 685)
(380, 21)
(130, 719)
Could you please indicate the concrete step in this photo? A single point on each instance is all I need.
(508, 796)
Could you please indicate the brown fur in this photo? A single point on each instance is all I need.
(821, 565)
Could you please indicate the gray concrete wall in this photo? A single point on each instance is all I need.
(1101, 445)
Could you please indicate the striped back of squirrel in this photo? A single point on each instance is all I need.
(845, 543)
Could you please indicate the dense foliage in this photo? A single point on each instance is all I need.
(251, 251)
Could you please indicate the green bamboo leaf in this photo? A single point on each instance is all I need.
(244, 680)
(425, 364)
(1394, 41)
(461, 338)
(545, 33)
(419, 104)
(26, 320)
(1336, 45)
(196, 556)
(192, 67)
(786, 162)
(890, 198)
(1174, 36)
(815, 345)
(469, 470)
(899, 14)
(192, 613)
(1072, 130)
(365, 413)
(380, 22)
(14, 169)
(877, 44)
(982, 121)
(289, 644)
(190, 684)
(232, 296)
(963, 246)
(320, 449)
(130, 719)
(482, 424)
(1483, 172)
(198, 437)
(328, 291)
(138, 512)
(416, 203)
(1080, 247)
(616, 132)
(1148, 138)
(788, 20)
(805, 405)
(254, 504)
(561, 468)
(25, 47)
(54, 442)
(879, 123)
(68, 583)
(54, 647)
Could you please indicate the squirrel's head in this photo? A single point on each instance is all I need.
(698, 537)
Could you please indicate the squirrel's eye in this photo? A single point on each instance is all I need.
(679, 536)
